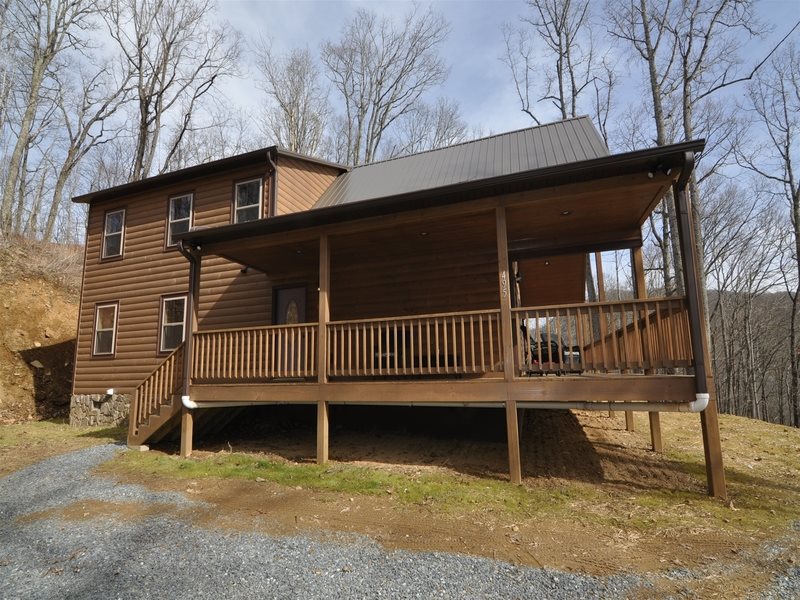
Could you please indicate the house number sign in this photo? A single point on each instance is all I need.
(503, 284)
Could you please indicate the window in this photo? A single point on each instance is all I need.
(113, 233)
(173, 320)
(247, 205)
(180, 217)
(105, 329)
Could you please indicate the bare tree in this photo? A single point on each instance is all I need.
(44, 29)
(774, 101)
(381, 69)
(298, 117)
(427, 128)
(565, 70)
(177, 56)
(86, 107)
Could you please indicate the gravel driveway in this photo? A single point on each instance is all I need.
(167, 557)
(48, 556)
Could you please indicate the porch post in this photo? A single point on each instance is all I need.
(715, 474)
(640, 288)
(512, 423)
(187, 417)
(322, 348)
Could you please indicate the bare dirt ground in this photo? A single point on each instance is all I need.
(628, 509)
(39, 289)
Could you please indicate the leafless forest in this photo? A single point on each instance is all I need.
(95, 93)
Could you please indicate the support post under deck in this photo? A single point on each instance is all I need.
(187, 418)
(709, 421)
(512, 422)
(323, 411)
(640, 289)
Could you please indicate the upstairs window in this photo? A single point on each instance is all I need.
(173, 323)
(247, 204)
(180, 217)
(105, 329)
(113, 233)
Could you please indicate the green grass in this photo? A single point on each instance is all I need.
(55, 431)
(444, 492)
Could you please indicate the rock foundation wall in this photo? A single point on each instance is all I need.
(99, 409)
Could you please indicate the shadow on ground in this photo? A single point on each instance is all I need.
(471, 441)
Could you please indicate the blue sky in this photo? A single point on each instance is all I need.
(478, 80)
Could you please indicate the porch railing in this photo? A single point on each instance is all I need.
(464, 343)
(157, 390)
(604, 336)
(255, 354)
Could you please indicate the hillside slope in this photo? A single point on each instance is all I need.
(39, 295)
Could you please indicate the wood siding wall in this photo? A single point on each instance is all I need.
(148, 271)
(301, 184)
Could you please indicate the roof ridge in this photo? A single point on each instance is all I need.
(480, 139)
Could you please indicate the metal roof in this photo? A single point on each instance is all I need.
(562, 142)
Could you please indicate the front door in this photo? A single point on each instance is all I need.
(290, 306)
(290, 309)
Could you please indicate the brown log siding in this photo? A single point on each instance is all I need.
(229, 298)
(301, 183)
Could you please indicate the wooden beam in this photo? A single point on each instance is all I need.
(504, 280)
(640, 290)
(655, 432)
(187, 419)
(594, 242)
(512, 429)
(632, 388)
(322, 347)
(323, 421)
(187, 430)
(712, 446)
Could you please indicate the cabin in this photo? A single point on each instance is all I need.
(452, 277)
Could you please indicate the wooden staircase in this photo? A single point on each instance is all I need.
(157, 399)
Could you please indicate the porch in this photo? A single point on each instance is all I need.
(429, 306)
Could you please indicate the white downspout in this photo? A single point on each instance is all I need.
(190, 404)
(700, 403)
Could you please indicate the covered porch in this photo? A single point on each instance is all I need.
(472, 298)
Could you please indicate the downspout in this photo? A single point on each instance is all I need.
(690, 285)
(273, 183)
(191, 254)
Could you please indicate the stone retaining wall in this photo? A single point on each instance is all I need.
(98, 409)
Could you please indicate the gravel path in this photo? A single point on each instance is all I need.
(167, 557)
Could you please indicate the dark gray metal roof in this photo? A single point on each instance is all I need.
(572, 140)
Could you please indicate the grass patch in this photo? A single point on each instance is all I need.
(445, 492)
(22, 444)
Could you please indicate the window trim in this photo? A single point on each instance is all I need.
(235, 209)
(97, 307)
(167, 232)
(119, 256)
(161, 323)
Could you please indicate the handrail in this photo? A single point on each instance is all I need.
(156, 390)
(407, 317)
(605, 303)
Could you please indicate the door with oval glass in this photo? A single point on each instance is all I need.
(290, 309)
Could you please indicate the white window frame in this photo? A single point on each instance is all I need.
(163, 323)
(237, 208)
(120, 233)
(97, 308)
(171, 221)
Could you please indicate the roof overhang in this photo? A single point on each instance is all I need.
(247, 159)
(662, 159)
